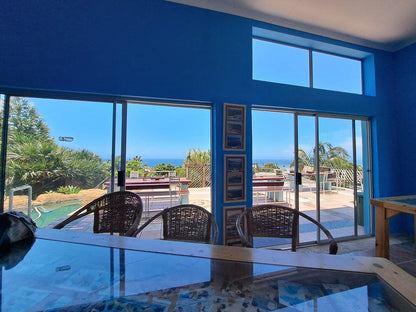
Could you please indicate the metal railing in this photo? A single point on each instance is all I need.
(29, 197)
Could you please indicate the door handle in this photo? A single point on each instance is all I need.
(298, 178)
(121, 178)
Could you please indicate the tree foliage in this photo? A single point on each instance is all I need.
(329, 156)
(267, 167)
(25, 122)
(34, 158)
(163, 169)
(135, 164)
(196, 157)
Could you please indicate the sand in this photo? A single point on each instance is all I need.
(86, 196)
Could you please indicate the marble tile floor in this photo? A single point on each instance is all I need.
(402, 250)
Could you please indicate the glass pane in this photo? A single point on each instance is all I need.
(169, 147)
(363, 195)
(117, 162)
(273, 134)
(307, 190)
(61, 150)
(331, 72)
(337, 176)
(280, 63)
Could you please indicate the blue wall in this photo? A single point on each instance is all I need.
(405, 117)
(159, 49)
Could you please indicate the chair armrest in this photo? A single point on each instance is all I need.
(214, 235)
(81, 212)
(333, 246)
(244, 238)
(141, 228)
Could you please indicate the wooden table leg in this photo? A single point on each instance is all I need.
(382, 233)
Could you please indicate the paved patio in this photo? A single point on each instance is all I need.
(337, 212)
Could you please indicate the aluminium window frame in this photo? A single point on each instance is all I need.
(310, 68)
(369, 145)
(89, 97)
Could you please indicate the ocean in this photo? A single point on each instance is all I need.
(151, 162)
(282, 163)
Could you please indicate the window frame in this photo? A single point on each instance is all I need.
(310, 68)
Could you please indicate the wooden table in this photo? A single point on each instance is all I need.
(269, 184)
(158, 186)
(74, 271)
(272, 181)
(387, 208)
(154, 183)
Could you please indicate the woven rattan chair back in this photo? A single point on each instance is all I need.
(186, 223)
(278, 221)
(271, 221)
(118, 212)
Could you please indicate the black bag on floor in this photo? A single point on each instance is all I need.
(17, 235)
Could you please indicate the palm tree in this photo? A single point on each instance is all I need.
(36, 163)
(329, 156)
(303, 159)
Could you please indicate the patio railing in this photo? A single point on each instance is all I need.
(345, 177)
(200, 176)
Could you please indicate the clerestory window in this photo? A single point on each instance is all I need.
(282, 63)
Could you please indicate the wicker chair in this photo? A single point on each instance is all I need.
(186, 223)
(276, 221)
(118, 212)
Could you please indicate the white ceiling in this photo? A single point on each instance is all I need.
(382, 24)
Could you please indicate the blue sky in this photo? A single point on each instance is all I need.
(166, 132)
(273, 134)
(290, 65)
(152, 132)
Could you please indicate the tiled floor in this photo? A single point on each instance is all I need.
(402, 250)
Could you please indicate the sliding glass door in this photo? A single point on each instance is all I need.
(332, 161)
(332, 158)
(169, 145)
(307, 197)
(337, 161)
(62, 154)
(58, 156)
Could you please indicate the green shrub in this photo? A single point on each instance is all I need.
(180, 172)
(70, 189)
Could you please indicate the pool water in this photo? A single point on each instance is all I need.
(51, 213)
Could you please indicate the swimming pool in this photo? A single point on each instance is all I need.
(47, 214)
